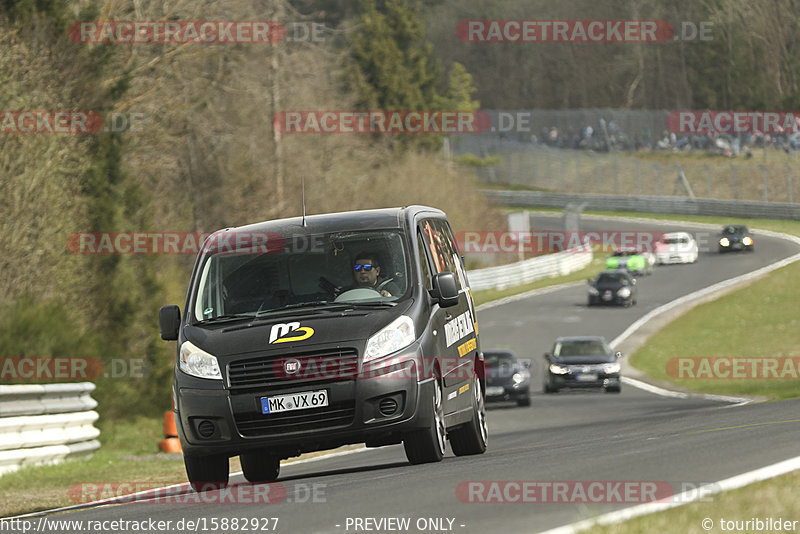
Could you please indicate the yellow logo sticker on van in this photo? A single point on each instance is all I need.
(280, 332)
(466, 347)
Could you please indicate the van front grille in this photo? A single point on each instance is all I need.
(319, 367)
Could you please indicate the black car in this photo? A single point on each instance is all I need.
(612, 287)
(507, 378)
(582, 362)
(735, 237)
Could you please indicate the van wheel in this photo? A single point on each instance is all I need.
(472, 437)
(428, 445)
(260, 467)
(207, 472)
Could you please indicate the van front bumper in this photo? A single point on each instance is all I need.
(376, 406)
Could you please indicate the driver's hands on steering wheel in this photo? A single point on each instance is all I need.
(380, 288)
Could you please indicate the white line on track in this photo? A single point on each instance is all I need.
(734, 482)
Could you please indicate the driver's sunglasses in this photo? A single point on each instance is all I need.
(366, 266)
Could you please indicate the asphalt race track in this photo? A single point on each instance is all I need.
(572, 436)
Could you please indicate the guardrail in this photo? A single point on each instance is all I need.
(45, 423)
(650, 204)
(523, 272)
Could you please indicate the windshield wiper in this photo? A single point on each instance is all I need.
(227, 317)
(308, 304)
(379, 304)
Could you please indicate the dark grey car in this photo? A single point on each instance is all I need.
(507, 377)
(582, 362)
(613, 287)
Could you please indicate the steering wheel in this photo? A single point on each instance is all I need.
(383, 284)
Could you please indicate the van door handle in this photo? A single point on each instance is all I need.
(447, 317)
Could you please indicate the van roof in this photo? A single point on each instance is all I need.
(342, 221)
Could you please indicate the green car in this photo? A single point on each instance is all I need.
(631, 260)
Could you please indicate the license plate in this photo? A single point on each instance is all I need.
(586, 378)
(607, 295)
(494, 391)
(303, 400)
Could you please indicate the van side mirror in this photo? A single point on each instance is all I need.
(169, 320)
(445, 289)
(618, 355)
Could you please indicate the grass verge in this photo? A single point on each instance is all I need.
(775, 498)
(750, 323)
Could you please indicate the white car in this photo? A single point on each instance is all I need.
(676, 247)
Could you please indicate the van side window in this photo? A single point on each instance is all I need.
(455, 254)
(428, 234)
(423, 259)
(450, 250)
(436, 237)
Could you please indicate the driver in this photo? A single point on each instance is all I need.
(366, 272)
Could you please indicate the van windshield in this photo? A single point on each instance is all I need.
(318, 270)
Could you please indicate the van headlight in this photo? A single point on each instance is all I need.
(724, 242)
(624, 292)
(593, 291)
(395, 336)
(558, 369)
(611, 368)
(747, 241)
(197, 362)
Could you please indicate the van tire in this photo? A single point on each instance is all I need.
(260, 467)
(473, 436)
(428, 445)
(207, 472)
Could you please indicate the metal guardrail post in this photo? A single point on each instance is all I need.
(639, 177)
(597, 178)
(658, 174)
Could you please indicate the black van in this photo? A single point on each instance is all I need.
(309, 333)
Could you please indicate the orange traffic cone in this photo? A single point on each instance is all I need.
(170, 443)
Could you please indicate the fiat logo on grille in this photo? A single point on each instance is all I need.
(292, 367)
